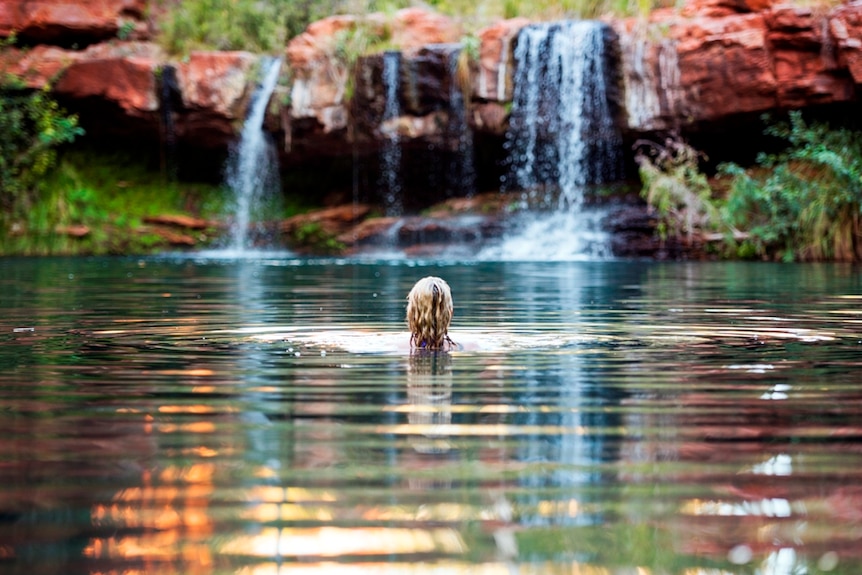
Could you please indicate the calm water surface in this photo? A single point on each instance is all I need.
(174, 416)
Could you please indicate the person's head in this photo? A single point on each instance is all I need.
(429, 311)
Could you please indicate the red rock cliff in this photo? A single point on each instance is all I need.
(712, 60)
(717, 60)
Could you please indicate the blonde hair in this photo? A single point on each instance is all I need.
(429, 311)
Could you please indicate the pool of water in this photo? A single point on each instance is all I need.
(253, 417)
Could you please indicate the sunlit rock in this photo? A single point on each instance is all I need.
(682, 70)
(806, 69)
(725, 66)
(37, 66)
(216, 81)
(721, 8)
(322, 75)
(319, 75)
(67, 21)
(123, 74)
(414, 28)
(215, 87)
(496, 60)
(845, 27)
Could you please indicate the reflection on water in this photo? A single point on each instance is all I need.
(254, 417)
(429, 393)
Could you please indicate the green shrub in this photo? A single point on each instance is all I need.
(313, 237)
(224, 25)
(33, 126)
(300, 13)
(808, 204)
(674, 186)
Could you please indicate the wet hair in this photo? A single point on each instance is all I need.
(429, 311)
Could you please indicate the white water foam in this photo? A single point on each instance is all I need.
(563, 235)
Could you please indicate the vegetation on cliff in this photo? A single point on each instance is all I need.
(54, 199)
(265, 26)
(33, 127)
(93, 202)
(225, 25)
(802, 204)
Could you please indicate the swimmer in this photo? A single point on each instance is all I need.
(429, 312)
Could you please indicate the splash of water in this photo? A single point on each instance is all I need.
(390, 154)
(251, 172)
(562, 138)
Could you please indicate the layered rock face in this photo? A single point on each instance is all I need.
(711, 61)
(321, 109)
(717, 60)
(67, 22)
(125, 87)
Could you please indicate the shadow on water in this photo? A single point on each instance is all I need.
(173, 416)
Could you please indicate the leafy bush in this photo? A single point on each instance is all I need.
(224, 25)
(808, 204)
(675, 187)
(33, 126)
(313, 237)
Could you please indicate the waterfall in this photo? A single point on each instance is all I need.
(251, 172)
(562, 138)
(169, 93)
(390, 154)
(461, 176)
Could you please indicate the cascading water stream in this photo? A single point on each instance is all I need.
(562, 138)
(251, 172)
(390, 154)
(169, 92)
(461, 175)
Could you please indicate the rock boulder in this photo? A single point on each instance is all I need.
(67, 22)
(214, 89)
(121, 74)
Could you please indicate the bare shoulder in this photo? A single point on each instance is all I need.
(464, 342)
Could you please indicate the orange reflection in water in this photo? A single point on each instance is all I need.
(337, 541)
(170, 520)
(439, 567)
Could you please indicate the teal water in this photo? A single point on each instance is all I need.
(180, 416)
